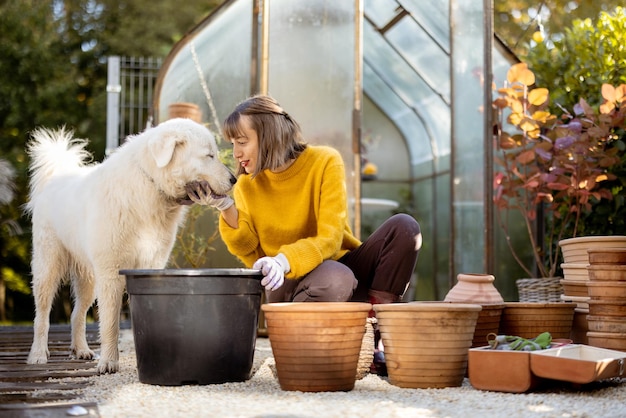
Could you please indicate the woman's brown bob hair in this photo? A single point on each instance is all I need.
(280, 137)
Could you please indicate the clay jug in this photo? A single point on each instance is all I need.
(474, 288)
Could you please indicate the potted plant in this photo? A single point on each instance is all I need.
(551, 166)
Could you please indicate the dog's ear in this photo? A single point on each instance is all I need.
(162, 147)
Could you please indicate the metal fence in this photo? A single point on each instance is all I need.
(130, 86)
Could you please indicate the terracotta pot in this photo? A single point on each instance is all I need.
(488, 322)
(607, 272)
(185, 110)
(474, 288)
(610, 340)
(580, 301)
(614, 324)
(574, 287)
(580, 326)
(607, 255)
(419, 335)
(528, 320)
(575, 250)
(575, 272)
(607, 290)
(607, 308)
(316, 346)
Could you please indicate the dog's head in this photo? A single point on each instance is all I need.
(183, 152)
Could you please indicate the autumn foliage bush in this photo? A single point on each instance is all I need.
(555, 163)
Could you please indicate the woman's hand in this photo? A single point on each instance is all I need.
(201, 193)
(274, 269)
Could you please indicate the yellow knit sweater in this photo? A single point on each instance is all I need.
(300, 212)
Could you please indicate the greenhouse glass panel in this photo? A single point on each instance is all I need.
(434, 17)
(312, 72)
(423, 54)
(227, 34)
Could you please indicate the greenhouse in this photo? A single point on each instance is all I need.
(402, 88)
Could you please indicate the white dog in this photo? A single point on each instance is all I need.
(92, 220)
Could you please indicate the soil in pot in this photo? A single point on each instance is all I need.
(194, 326)
(316, 345)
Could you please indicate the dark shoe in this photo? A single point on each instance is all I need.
(379, 366)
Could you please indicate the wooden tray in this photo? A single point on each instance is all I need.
(525, 370)
(578, 363)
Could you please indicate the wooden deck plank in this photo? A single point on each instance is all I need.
(34, 390)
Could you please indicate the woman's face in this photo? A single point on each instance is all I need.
(246, 147)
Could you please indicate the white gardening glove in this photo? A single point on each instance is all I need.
(274, 269)
(201, 193)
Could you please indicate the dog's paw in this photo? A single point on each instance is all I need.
(107, 366)
(38, 357)
(82, 354)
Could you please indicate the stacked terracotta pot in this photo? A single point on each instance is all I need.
(576, 276)
(607, 304)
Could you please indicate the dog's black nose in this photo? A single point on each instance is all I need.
(233, 179)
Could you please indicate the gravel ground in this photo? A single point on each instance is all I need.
(122, 395)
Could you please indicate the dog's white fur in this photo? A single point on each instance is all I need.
(92, 220)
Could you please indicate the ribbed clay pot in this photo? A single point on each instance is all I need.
(527, 320)
(426, 343)
(479, 289)
(610, 340)
(185, 110)
(316, 345)
(575, 250)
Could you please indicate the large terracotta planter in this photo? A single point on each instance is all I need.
(426, 343)
(316, 345)
(528, 320)
(194, 326)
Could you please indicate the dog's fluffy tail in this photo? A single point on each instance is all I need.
(52, 153)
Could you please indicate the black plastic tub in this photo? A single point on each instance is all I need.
(194, 326)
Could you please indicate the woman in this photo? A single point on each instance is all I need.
(289, 217)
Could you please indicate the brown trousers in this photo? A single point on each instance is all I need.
(384, 263)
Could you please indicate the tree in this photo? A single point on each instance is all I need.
(590, 53)
(53, 73)
(524, 23)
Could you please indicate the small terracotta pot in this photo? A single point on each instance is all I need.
(527, 320)
(575, 287)
(607, 290)
(575, 272)
(316, 346)
(607, 308)
(474, 288)
(426, 343)
(607, 272)
(607, 255)
(615, 324)
(610, 340)
(185, 110)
